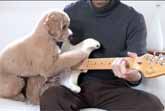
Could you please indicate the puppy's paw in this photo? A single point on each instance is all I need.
(19, 97)
(76, 89)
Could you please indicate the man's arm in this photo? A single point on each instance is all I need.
(136, 39)
(136, 42)
(136, 35)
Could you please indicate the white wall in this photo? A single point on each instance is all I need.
(17, 18)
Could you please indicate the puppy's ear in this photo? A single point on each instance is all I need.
(52, 24)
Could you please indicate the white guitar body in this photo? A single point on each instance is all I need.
(72, 81)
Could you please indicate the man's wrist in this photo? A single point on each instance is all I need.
(135, 77)
(136, 82)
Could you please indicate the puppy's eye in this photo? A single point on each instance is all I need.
(64, 27)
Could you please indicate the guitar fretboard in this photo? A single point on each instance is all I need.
(150, 66)
(100, 63)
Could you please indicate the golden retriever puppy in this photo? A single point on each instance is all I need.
(37, 54)
(68, 77)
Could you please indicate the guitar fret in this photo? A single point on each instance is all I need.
(97, 64)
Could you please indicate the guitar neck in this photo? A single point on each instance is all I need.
(149, 65)
(101, 63)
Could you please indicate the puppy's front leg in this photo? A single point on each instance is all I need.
(67, 60)
(33, 89)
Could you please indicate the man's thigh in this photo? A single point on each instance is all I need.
(115, 95)
(127, 99)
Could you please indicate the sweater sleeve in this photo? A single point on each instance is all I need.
(136, 35)
(136, 39)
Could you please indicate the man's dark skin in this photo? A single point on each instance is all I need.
(111, 95)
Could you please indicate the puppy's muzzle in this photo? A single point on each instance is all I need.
(70, 37)
(70, 33)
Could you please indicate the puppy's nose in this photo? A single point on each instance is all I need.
(70, 32)
(70, 37)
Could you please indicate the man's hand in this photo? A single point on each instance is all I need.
(119, 67)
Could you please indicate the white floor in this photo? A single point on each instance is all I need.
(10, 105)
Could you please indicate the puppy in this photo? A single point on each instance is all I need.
(37, 54)
(68, 77)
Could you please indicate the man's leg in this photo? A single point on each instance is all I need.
(115, 95)
(128, 99)
(60, 98)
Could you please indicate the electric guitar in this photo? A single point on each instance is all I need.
(150, 65)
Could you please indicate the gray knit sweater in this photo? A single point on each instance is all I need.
(117, 26)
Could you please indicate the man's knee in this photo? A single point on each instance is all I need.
(152, 103)
(157, 105)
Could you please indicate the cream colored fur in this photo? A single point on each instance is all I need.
(68, 77)
(37, 54)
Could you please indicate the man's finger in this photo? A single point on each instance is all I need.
(123, 68)
(132, 54)
(115, 67)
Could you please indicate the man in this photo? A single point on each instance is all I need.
(122, 32)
